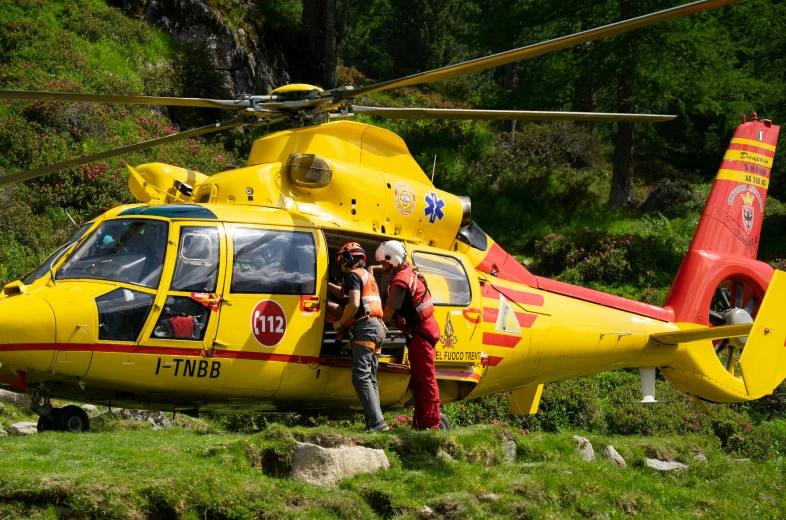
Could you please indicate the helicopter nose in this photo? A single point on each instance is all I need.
(27, 333)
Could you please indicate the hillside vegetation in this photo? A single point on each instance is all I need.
(541, 193)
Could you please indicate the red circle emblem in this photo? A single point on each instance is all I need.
(268, 323)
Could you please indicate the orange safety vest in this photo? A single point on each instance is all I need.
(370, 302)
(418, 307)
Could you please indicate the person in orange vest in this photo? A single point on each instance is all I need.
(362, 315)
(409, 304)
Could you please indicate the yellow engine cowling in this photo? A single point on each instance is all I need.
(159, 181)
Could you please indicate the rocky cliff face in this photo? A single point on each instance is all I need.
(248, 62)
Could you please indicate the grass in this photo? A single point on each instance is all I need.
(178, 473)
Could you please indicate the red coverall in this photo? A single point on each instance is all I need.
(409, 295)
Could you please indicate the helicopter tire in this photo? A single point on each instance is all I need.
(444, 423)
(73, 419)
(49, 423)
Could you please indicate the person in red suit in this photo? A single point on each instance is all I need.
(409, 305)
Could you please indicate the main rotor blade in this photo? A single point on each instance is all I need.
(43, 170)
(68, 97)
(505, 115)
(532, 51)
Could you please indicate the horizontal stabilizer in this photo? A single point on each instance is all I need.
(703, 333)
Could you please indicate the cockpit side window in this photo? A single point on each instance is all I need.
(196, 268)
(122, 250)
(447, 280)
(273, 262)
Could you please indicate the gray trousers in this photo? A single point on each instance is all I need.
(364, 379)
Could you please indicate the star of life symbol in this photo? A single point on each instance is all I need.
(506, 319)
(434, 207)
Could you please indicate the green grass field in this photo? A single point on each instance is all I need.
(201, 472)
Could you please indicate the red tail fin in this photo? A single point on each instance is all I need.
(732, 218)
(724, 248)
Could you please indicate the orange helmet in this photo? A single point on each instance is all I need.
(350, 253)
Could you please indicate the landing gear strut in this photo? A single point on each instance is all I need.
(68, 419)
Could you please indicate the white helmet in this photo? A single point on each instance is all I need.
(393, 251)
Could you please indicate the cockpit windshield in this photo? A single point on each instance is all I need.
(124, 250)
(52, 259)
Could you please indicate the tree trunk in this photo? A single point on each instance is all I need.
(319, 29)
(511, 82)
(585, 98)
(622, 177)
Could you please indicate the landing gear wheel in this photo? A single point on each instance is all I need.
(73, 419)
(444, 424)
(48, 423)
(736, 301)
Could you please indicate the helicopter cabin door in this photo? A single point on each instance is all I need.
(269, 318)
(184, 318)
(455, 293)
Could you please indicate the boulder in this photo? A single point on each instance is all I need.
(584, 448)
(662, 465)
(509, 450)
(23, 428)
(89, 409)
(700, 457)
(15, 398)
(250, 62)
(328, 466)
(610, 453)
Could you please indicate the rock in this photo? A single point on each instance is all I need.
(610, 453)
(444, 455)
(250, 62)
(489, 497)
(89, 409)
(3, 433)
(328, 466)
(662, 465)
(509, 450)
(426, 512)
(157, 419)
(23, 428)
(15, 398)
(700, 457)
(666, 196)
(742, 461)
(584, 448)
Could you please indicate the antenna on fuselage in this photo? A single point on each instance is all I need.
(433, 168)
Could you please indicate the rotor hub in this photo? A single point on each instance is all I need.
(737, 316)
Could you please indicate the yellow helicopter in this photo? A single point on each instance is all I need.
(210, 295)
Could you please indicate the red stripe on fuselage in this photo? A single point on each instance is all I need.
(174, 351)
(525, 320)
(500, 340)
(494, 360)
(524, 298)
